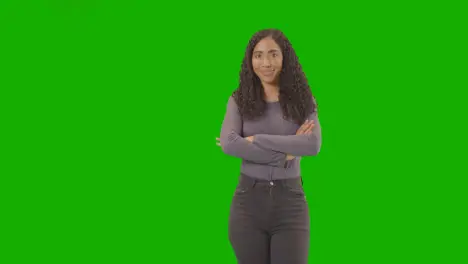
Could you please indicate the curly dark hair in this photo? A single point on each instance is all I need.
(295, 96)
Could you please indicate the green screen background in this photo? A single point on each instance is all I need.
(111, 110)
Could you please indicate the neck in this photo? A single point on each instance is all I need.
(271, 92)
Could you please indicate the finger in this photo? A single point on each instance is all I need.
(306, 124)
(309, 126)
(306, 127)
(218, 139)
(309, 131)
(300, 130)
(302, 127)
(219, 144)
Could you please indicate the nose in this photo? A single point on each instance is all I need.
(266, 62)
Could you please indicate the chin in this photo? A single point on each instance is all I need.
(271, 80)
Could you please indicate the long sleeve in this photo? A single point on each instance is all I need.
(234, 144)
(296, 145)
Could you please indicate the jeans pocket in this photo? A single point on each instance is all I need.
(295, 187)
(240, 190)
(297, 193)
(296, 190)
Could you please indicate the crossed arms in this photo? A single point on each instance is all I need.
(264, 148)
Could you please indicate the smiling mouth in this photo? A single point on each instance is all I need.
(268, 73)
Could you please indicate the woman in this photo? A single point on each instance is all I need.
(270, 123)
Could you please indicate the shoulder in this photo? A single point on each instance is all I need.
(232, 100)
(232, 104)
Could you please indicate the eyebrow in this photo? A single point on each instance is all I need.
(270, 51)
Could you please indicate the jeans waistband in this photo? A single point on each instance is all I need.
(253, 169)
(248, 181)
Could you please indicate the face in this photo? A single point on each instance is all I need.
(267, 60)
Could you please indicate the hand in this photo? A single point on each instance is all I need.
(306, 128)
(250, 139)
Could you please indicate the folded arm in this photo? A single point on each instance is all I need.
(296, 145)
(234, 144)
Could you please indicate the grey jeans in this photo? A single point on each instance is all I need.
(269, 222)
